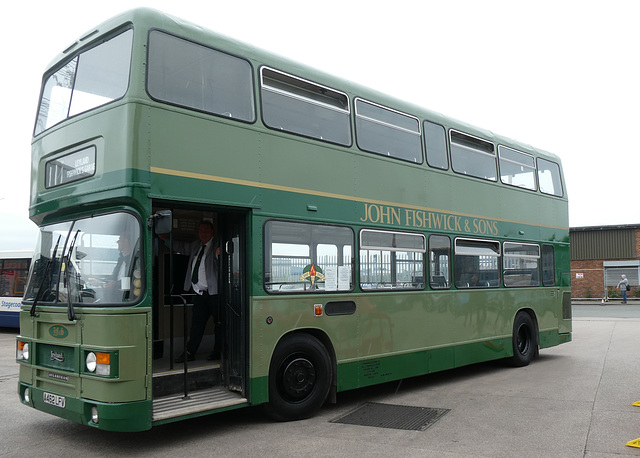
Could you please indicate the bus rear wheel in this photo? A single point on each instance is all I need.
(523, 340)
(299, 378)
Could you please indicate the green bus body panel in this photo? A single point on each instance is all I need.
(473, 322)
(123, 335)
(389, 368)
(122, 175)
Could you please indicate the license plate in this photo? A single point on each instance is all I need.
(53, 399)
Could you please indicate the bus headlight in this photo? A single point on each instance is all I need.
(27, 396)
(22, 351)
(91, 361)
(99, 362)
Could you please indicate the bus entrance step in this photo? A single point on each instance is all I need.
(200, 401)
(172, 382)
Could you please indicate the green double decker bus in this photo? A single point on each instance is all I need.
(359, 239)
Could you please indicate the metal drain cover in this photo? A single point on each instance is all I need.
(393, 416)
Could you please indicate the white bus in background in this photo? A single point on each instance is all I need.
(14, 270)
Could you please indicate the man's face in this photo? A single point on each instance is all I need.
(205, 233)
(123, 245)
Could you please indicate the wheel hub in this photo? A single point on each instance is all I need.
(298, 379)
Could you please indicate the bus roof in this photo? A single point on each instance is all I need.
(152, 18)
(16, 254)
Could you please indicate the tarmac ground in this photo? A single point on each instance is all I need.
(574, 400)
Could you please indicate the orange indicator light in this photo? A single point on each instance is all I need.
(103, 358)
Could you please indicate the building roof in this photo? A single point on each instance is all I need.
(604, 228)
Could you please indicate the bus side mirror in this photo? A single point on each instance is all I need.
(161, 221)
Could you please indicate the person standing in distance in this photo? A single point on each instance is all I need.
(622, 284)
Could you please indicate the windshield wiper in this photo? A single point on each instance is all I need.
(71, 314)
(44, 278)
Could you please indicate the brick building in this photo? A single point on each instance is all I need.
(599, 255)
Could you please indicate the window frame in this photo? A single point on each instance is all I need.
(303, 86)
(14, 284)
(559, 177)
(268, 270)
(445, 143)
(196, 109)
(381, 122)
(42, 120)
(518, 283)
(447, 279)
(392, 284)
(470, 150)
(94, 265)
(513, 162)
(543, 263)
(458, 251)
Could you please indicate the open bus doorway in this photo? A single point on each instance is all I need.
(221, 373)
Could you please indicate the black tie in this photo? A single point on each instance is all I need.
(196, 267)
(116, 271)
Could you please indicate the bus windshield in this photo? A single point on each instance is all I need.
(91, 261)
(89, 80)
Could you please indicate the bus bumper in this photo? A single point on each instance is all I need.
(129, 416)
(553, 338)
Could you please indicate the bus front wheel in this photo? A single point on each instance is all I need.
(523, 340)
(299, 378)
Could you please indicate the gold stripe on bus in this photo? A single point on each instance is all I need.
(331, 195)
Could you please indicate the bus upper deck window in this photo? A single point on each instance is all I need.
(190, 75)
(549, 178)
(89, 80)
(473, 156)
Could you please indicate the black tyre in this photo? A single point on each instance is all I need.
(299, 378)
(524, 340)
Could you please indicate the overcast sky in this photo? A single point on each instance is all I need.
(559, 75)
